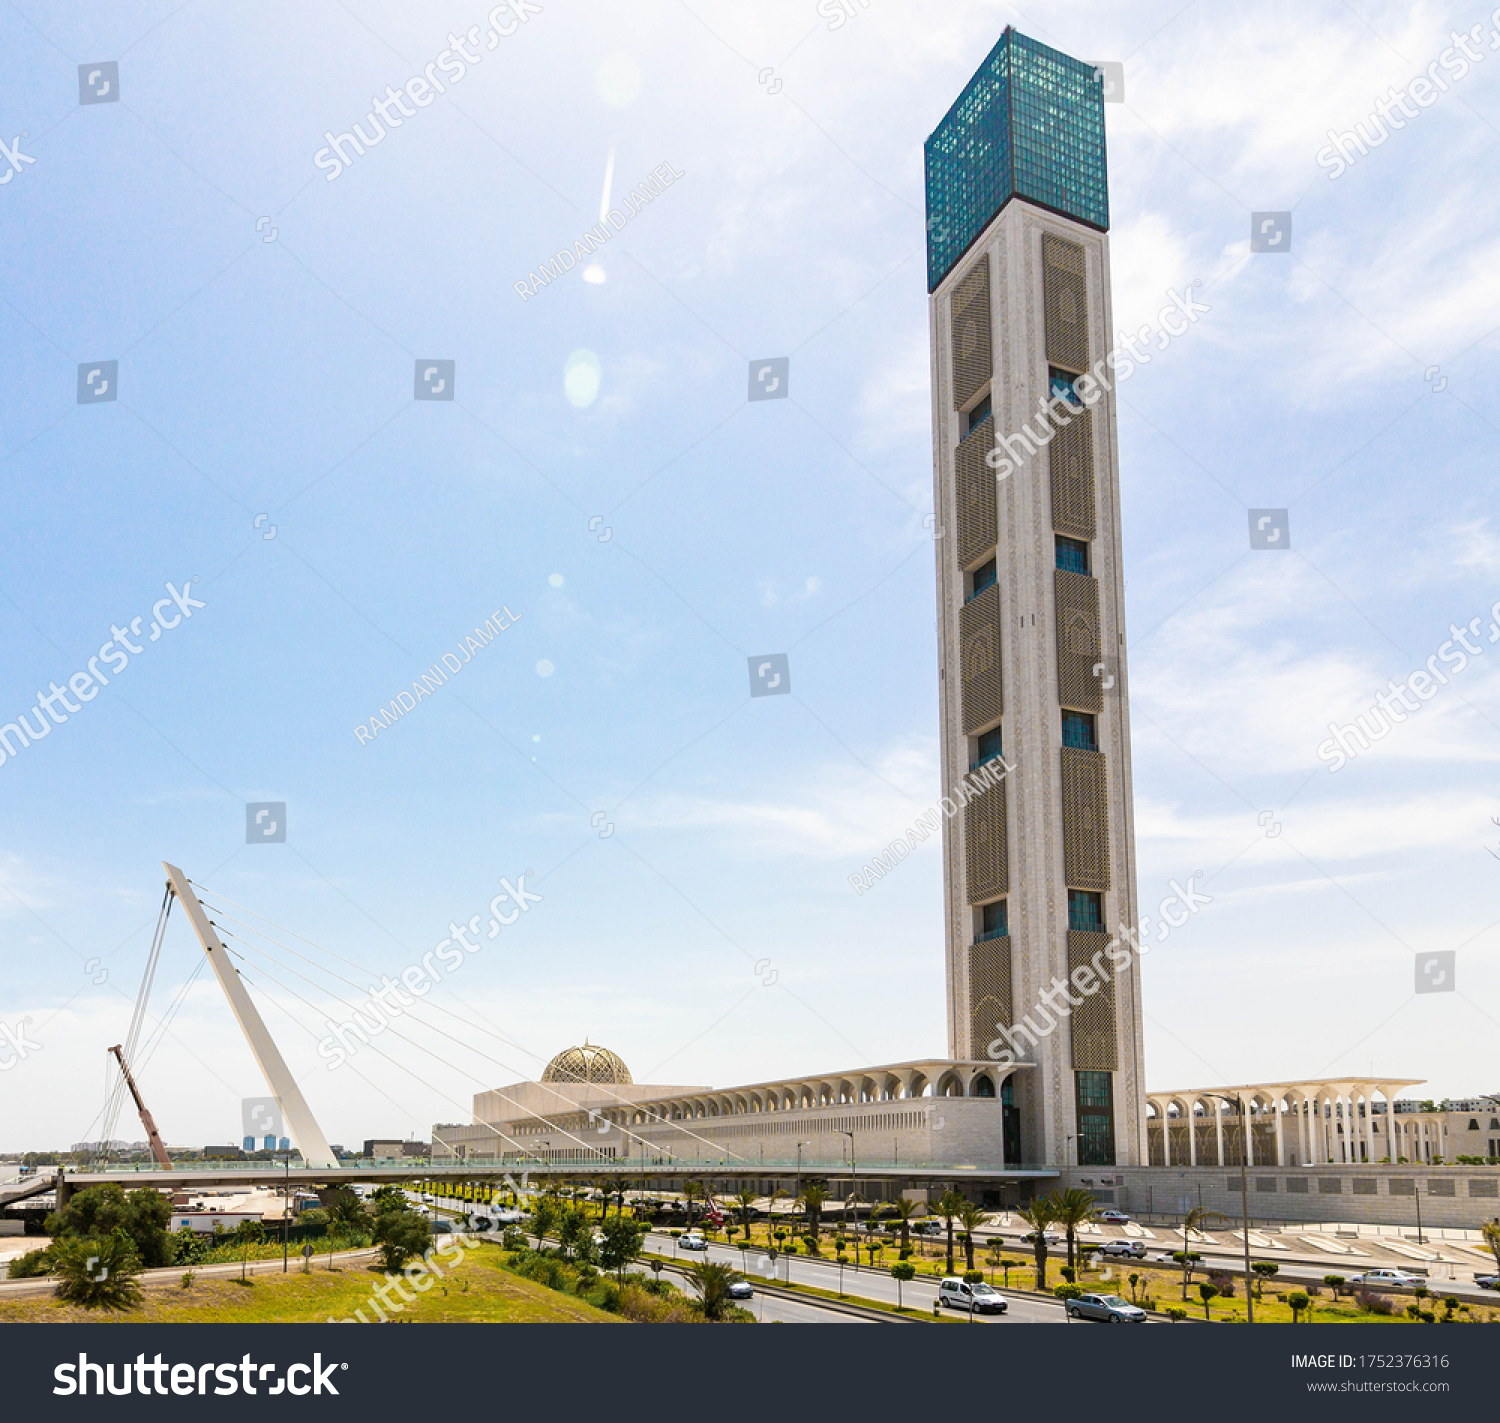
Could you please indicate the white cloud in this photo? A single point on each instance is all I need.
(837, 812)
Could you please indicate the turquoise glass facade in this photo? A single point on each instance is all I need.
(1029, 124)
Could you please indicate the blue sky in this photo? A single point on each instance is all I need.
(275, 377)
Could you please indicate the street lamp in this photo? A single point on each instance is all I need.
(1067, 1161)
(853, 1163)
(1244, 1193)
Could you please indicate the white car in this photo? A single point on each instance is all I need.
(693, 1241)
(1391, 1279)
(508, 1217)
(977, 1299)
(741, 1289)
(1114, 1217)
(1051, 1237)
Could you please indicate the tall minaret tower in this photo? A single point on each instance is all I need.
(1038, 869)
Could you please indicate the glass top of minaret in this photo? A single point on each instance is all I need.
(1029, 124)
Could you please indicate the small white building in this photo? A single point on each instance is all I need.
(205, 1221)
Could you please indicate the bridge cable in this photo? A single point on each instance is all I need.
(609, 1088)
(718, 1148)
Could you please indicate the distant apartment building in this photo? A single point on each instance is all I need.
(392, 1149)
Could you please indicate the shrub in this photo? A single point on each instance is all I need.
(142, 1216)
(190, 1247)
(98, 1272)
(1067, 1292)
(645, 1306)
(1374, 1303)
(400, 1234)
(1335, 1283)
(1069, 1273)
(1222, 1281)
(1176, 1313)
(1298, 1300)
(545, 1271)
(31, 1265)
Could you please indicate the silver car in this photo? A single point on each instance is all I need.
(1110, 1308)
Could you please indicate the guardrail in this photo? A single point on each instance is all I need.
(665, 1166)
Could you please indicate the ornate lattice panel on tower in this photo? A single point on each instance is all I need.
(1080, 675)
(989, 992)
(974, 494)
(979, 659)
(1093, 1022)
(1070, 461)
(1085, 817)
(971, 333)
(1065, 295)
(986, 869)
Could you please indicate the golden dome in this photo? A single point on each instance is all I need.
(588, 1063)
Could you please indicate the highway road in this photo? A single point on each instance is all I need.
(1450, 1266)
(874, 1284)
(770, 1310)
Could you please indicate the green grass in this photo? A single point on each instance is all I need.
(476, 1290)
(1164, 1287)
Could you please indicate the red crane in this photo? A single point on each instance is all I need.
(158, 1150)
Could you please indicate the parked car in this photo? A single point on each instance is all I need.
(1109, 1308)
(1114, 1217)
(1388, 1279)
(1051, 1237)
(693, 1241)
(741, 1289)
(978, 1298)
(1131, 1249)
(1488, 1282)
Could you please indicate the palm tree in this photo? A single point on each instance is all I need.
(691, 1190)
(745, 1200)
(1491, 1232)
(971, 1218)
(950, 1206)
(1038, 1215)
(1070, 1209)
(904, 1208)
(712, 1281)
(1195, 1219)
(814, 1194)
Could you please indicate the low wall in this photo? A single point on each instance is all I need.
(1459, 1196)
